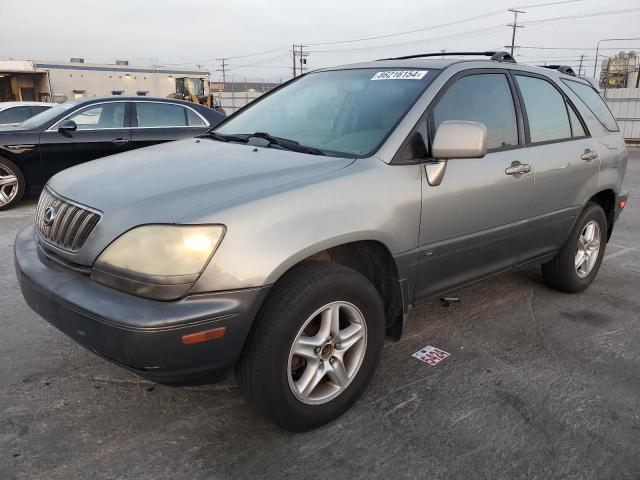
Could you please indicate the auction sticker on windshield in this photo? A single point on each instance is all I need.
(430, 355)
(400, 75)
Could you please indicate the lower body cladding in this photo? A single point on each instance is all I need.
(194, 340)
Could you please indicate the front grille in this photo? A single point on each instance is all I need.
(71, 223)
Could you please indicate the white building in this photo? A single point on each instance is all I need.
(62, 81)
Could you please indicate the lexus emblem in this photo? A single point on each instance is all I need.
(50, 215)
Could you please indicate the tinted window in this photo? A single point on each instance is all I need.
(107, 115)
(576, 127)
(344, 112)
(594, 102)
(49, 115)
(37, 110)
(14, 115)
(546, 110)
(193, 117)
(484, 98)
(160, 115)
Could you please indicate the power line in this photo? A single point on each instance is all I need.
(585, 15)
(442, 25)
(359, 49)
(536, 5)
(408, 32)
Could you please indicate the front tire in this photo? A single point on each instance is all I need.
(315, 346)
(577, 263)
(12, 184)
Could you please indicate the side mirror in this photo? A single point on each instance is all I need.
(67, 126)
(458, 139)
(455, 139)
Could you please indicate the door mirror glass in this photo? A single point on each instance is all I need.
(67, 126)
(459, 139)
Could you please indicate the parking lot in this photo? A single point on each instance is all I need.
(539, 384)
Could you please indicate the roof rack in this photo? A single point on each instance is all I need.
(561, 68)
(496, 56)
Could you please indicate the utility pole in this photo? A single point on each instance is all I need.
(293, 51)
(580, 67)
(514, 25)
(303, 58)
(224, 65)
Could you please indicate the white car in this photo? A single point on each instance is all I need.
(12, 113)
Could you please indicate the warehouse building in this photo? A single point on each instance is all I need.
(28, 80)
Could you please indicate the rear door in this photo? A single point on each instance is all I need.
(102, 130)
(564, 157)
(473, 223)
(157, 122)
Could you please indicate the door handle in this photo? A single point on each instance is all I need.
(517, 168)
(120, 141)
(589, 155)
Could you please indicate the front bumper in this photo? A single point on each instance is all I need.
(140, 334)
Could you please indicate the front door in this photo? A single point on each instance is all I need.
(101, 131)
(474, 222)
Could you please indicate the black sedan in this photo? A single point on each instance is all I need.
(79, 131)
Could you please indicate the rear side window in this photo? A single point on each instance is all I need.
(14, 115)
(576, 127)
(194, 119)
(484, 98)
(594, 102)
(160, 115)
(37, 110)
(546, 110)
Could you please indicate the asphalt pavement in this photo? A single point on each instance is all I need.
(538, 384)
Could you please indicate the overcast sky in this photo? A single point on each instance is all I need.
(199, 31)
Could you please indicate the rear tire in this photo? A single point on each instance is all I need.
(12, 184)
(577, 263)
(343, 356)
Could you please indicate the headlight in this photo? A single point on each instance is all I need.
(158, 261)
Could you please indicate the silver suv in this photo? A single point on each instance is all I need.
(295, 237)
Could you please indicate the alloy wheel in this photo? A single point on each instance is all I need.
(8, 185)
(588, 248)
(327, 353)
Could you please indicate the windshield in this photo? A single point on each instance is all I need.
(45, 117)
(346, 112)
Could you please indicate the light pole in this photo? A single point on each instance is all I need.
(607, 40)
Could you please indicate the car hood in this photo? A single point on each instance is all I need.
(184, 181)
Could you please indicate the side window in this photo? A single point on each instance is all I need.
(576, 127)
(546, 110)
(160, 115)
(37, 110)
(194, 119)
(106, 115)
(14, 115)
(595, 103)
(484, 98)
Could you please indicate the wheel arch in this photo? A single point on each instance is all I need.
(606, 198)
(372, 259)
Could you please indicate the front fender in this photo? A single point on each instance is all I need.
(368, 200)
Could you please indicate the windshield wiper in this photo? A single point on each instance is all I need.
(221, 137)
(287, 144)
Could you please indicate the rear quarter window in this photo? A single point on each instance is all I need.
(594, 103)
